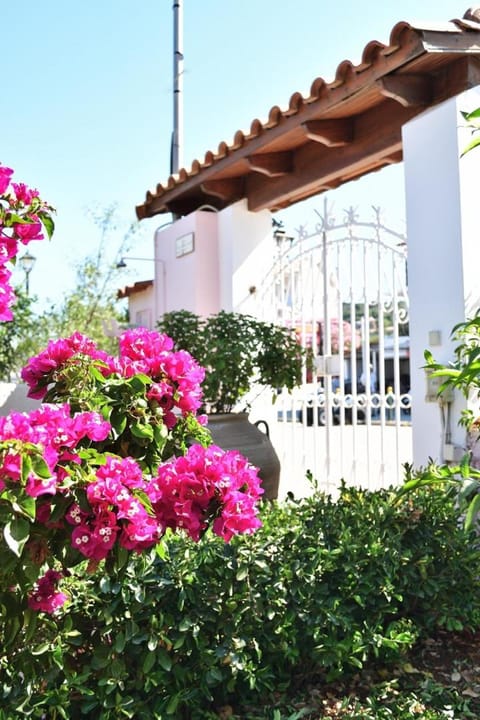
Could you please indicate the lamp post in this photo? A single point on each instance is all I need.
(27, 262)
(123, 264)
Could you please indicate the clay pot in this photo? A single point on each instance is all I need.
(234, 431)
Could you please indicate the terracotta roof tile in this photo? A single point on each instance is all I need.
(137, 287)
(413, 71)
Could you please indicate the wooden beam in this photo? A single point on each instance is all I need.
(408, 90)
(273, 164)
(378, 140)
(226, 190)
(332, 133)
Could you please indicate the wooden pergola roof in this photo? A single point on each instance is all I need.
(342, 130)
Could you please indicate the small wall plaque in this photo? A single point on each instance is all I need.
(184, 245)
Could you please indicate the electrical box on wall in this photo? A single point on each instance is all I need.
(327, 365)
(433, 384)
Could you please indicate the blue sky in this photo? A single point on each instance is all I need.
(87, 100)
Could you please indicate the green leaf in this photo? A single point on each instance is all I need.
(139, 382)
(145, 432)
(16, 533)
(96, 374)
(12, 628)
(47, 222)
(242, 573)
(120, 642)
(173, 704)
(118, 421)
(473, 115)
(26, 468)
(471, 145)
(465, 466)
(164, 659)
(149, 661)
(40, 467)
(161, 549)
(40, 649)
(26, 505)
(472, 512)
(31, 617)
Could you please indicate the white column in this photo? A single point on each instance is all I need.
(246, 248)
(443, 230)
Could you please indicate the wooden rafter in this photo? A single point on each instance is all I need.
(332, 133)
(318, 167)
(271, 164)
(408, 90)
(227, 190)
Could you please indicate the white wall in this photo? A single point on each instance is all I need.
(141, 308)
(443, 232)
(233, 251)
(190, 282)
(245, 254)
(13, 398)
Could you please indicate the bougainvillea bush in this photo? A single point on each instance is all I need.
(24, 217)
(113, 457)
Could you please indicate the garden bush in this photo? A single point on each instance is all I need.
(323, 587)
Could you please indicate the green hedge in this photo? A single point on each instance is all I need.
(323, 587)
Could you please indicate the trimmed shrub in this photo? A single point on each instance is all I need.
(322, 588)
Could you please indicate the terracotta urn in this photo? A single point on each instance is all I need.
(234, 431)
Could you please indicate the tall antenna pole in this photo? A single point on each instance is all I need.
(176, 160)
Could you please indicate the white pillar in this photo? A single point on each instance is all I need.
(245, 254)
(443, 230)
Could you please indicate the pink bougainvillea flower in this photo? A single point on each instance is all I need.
(95, 537)
(5, 175)
(45, 595)
(208, 480)
(29, 231)
(23, 193)
(23, 217)
(8, 250)
(37, 373)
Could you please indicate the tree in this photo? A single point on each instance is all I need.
(20, 338)
(91, 305)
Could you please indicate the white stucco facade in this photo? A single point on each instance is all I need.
(245, 255)
(210, 261)
(141, 308)
(443, 230)
(186, 265)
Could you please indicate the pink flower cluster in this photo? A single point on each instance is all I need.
(52, 430)
(176, 376)
(208, 483)
(40, 370)
(23, 216)
(117, 502)
(45, 595)
(116, 511)
(188, 492)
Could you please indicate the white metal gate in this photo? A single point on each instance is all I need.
(343, 289)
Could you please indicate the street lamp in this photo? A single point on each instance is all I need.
(123, 264)
(27, 262)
